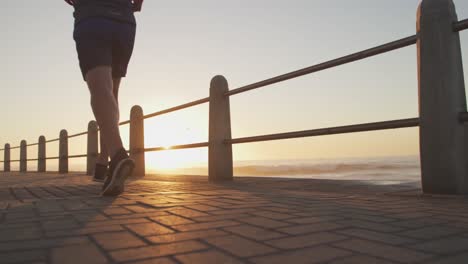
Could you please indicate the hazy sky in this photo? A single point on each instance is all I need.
(182, 44)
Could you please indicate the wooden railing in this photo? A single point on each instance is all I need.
(442, 106)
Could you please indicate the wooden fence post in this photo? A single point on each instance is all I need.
(41, 156)
(93, 147)
(63, 152)
(23, 156)
(137, 140)
(220, 165)
(441, 100)
(6, 158)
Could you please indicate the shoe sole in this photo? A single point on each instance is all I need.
(123, 170)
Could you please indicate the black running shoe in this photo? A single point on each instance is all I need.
(121, 167)
(100, 172)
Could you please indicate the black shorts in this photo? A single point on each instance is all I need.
(104, 42)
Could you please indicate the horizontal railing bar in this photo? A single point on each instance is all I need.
(15, 160)
(51, 158)
(329, 64)
(172, 109)
(50, 141)
(461, 25)
(79, 134)
(176, 108)
(17, 147)
(412, 122)
(187, 146)
(78, 156)
(32, 159)
(124, 123)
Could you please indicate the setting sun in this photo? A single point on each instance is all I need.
(166, 132)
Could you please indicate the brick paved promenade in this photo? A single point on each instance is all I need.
(61, 219)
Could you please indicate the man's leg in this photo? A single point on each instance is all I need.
(104, 156)
(105, 107)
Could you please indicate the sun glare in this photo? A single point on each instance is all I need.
(167, 133)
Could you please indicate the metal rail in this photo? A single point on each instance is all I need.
(79, 134)
(187, 146)
(179, 107)
(78, 156)
(401, 43)
(460, 25)
(52, 140)
(403, 123)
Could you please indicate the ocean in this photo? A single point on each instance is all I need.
(383, 169)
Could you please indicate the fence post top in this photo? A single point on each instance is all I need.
(435, 6)
(136, 111)
(42, 139)
(63, 133)
(7, 145)
(219, 81)
(23, 142)
(92, 125)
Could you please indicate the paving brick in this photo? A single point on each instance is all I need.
(431, 232)
(118, 240)
(376, 249)
(371, 218)
(170, 238)
(313, 219)
(41, 243)
(263, 222)
(171, 220)
(418, 223)
(19, 215)
(233, 211)
(207, 225)
(86, 253)
(202, 208)
(305, 229)
(117, 222)
(139, 208)
(157, 251)
(305, 240)
(117, 211)
(207, 257)
(370, 225)
(272, 215)
(453, 259)
(67, 223)
(23, 256)
(26, 233)
(149, 229)
(239, 246)
(83, 231)
(156, 261)
(304, 256)
(89, 217)
(187, 213)
(253, 232)
(376, 236)
(361, 259)
(448, 245)
(140, 215)
(214, 218)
